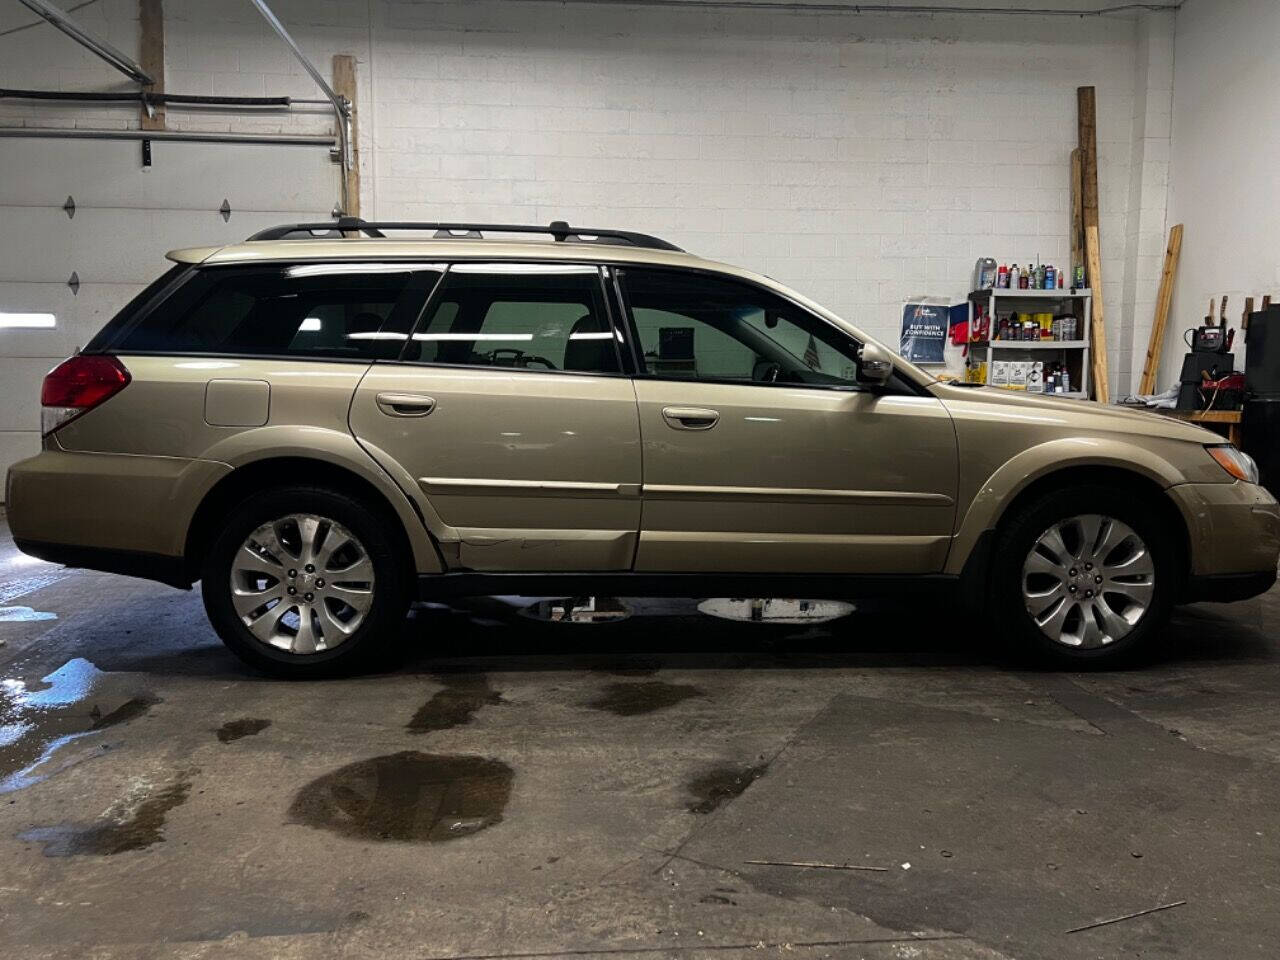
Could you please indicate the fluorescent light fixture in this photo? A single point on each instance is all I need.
(310, 325)
(473, 336)
(28, 321)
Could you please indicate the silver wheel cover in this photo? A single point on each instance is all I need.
(1088, 581)
(302, 583)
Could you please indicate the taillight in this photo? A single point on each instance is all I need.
(76, 386)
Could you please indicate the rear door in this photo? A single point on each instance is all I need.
(509, 409)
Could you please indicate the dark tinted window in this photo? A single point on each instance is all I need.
(529, 316)
(314, 309)
(131, 309)
(696, 326)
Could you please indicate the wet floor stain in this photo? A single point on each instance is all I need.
(38, 720)
(407, 796)
(131, 709)
(24, 615)
(456, 704)
(137, 822)
(244, 727)
(634, 699)
(629, 667)
(717, 786)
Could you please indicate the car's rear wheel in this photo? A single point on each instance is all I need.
(305, 582)
(1085, 576)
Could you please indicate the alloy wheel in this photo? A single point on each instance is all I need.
(302, 583)
(1088, 581)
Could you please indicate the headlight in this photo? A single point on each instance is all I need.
(1239, 465)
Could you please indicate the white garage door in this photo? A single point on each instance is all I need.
(126, 217)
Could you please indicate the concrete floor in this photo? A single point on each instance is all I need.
(525, 790)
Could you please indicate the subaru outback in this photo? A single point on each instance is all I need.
(324, 423)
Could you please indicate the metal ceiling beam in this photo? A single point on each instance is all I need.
(341, 107)
(80, 35)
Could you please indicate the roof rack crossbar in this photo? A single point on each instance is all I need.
(561, 231)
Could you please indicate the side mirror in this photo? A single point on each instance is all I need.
(874, 364)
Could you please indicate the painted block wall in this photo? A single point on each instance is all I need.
(1225, 164)
(862, 159)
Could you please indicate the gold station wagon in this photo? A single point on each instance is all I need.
(323, 423)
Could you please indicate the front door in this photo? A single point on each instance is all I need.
(761, 451)
(509, 410)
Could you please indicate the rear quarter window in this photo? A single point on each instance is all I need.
(338, 311)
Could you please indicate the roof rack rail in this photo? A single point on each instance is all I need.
(558, 229)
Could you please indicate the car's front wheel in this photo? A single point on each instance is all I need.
(305, 582)
(1084, 576)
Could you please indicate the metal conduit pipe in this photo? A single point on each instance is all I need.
(178, 99)
(341, 108)
(826, 6)
(189, 136)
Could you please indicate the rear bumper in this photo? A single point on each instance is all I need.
(129, 563)
(119, 513)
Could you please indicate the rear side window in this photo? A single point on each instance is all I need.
(352, 310)
(136, 306)
(524, 316)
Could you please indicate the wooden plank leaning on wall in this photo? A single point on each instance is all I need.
(1086, 105)
(344, 85)
(151, 55)
(1156, 344)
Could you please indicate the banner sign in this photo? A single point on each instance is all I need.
(924, 332)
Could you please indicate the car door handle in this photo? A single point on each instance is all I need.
(690, 418)
(405, 404)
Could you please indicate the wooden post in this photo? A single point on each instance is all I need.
(151, 55)
(1086, 105)
(1154, 346)
(344, 85)
(1077, 216)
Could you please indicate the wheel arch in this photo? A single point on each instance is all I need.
(972, 551)
(266, 472)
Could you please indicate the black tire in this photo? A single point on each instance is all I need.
(1019, 534)
(383, 623)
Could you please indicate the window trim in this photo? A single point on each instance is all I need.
(430, 302)
(897, 384)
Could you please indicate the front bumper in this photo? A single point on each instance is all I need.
(1233, 537)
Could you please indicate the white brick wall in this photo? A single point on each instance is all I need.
(862, 158)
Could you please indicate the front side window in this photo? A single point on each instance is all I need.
(524, 316)
(355, 310)
(700, 327)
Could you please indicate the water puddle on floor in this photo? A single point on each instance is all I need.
(456, 704)
(24, 615)
(407, 796)
(717, 786)
(238, 729)
(648, 696)
(38, 720)
(134, 823)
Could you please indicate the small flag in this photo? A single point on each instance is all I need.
(811, 358)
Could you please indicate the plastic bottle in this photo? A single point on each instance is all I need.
(1024, 280)
(1002, 278)
(1050, 279)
